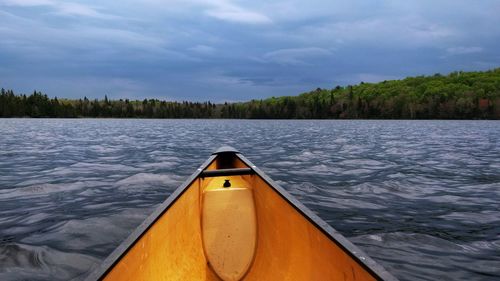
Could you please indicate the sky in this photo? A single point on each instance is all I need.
(227, 50)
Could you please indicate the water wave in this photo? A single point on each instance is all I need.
(420, 197)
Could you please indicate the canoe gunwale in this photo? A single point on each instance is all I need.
(107, 265)
(376, 270)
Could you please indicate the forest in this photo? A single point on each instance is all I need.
(458, 95)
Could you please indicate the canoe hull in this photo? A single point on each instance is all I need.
(292, 242)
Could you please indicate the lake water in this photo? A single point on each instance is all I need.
(420, 197)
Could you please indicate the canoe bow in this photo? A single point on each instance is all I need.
(276, 237)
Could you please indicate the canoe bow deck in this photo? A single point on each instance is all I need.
(250, 230)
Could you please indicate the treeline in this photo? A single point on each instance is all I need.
(459, 95)
(40, 105)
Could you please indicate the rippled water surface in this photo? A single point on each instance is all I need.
(420, 197)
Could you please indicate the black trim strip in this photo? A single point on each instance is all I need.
(352, 250)
(226, 172)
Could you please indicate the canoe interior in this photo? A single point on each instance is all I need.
(289, 245)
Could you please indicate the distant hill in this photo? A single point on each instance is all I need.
(458, 95)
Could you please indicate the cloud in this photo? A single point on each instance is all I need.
(407, 31)
(226, 10)
(235, 14)
(27, 3)
(296, 56)
(234, 49)
(75, 9)
(82, 47)
(203, 49)
(229, 11)
(238, 88)
(461, 50)
(63, 8)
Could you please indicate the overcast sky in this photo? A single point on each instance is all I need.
(225, 50)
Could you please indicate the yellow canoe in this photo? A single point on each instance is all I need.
(229, 221)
